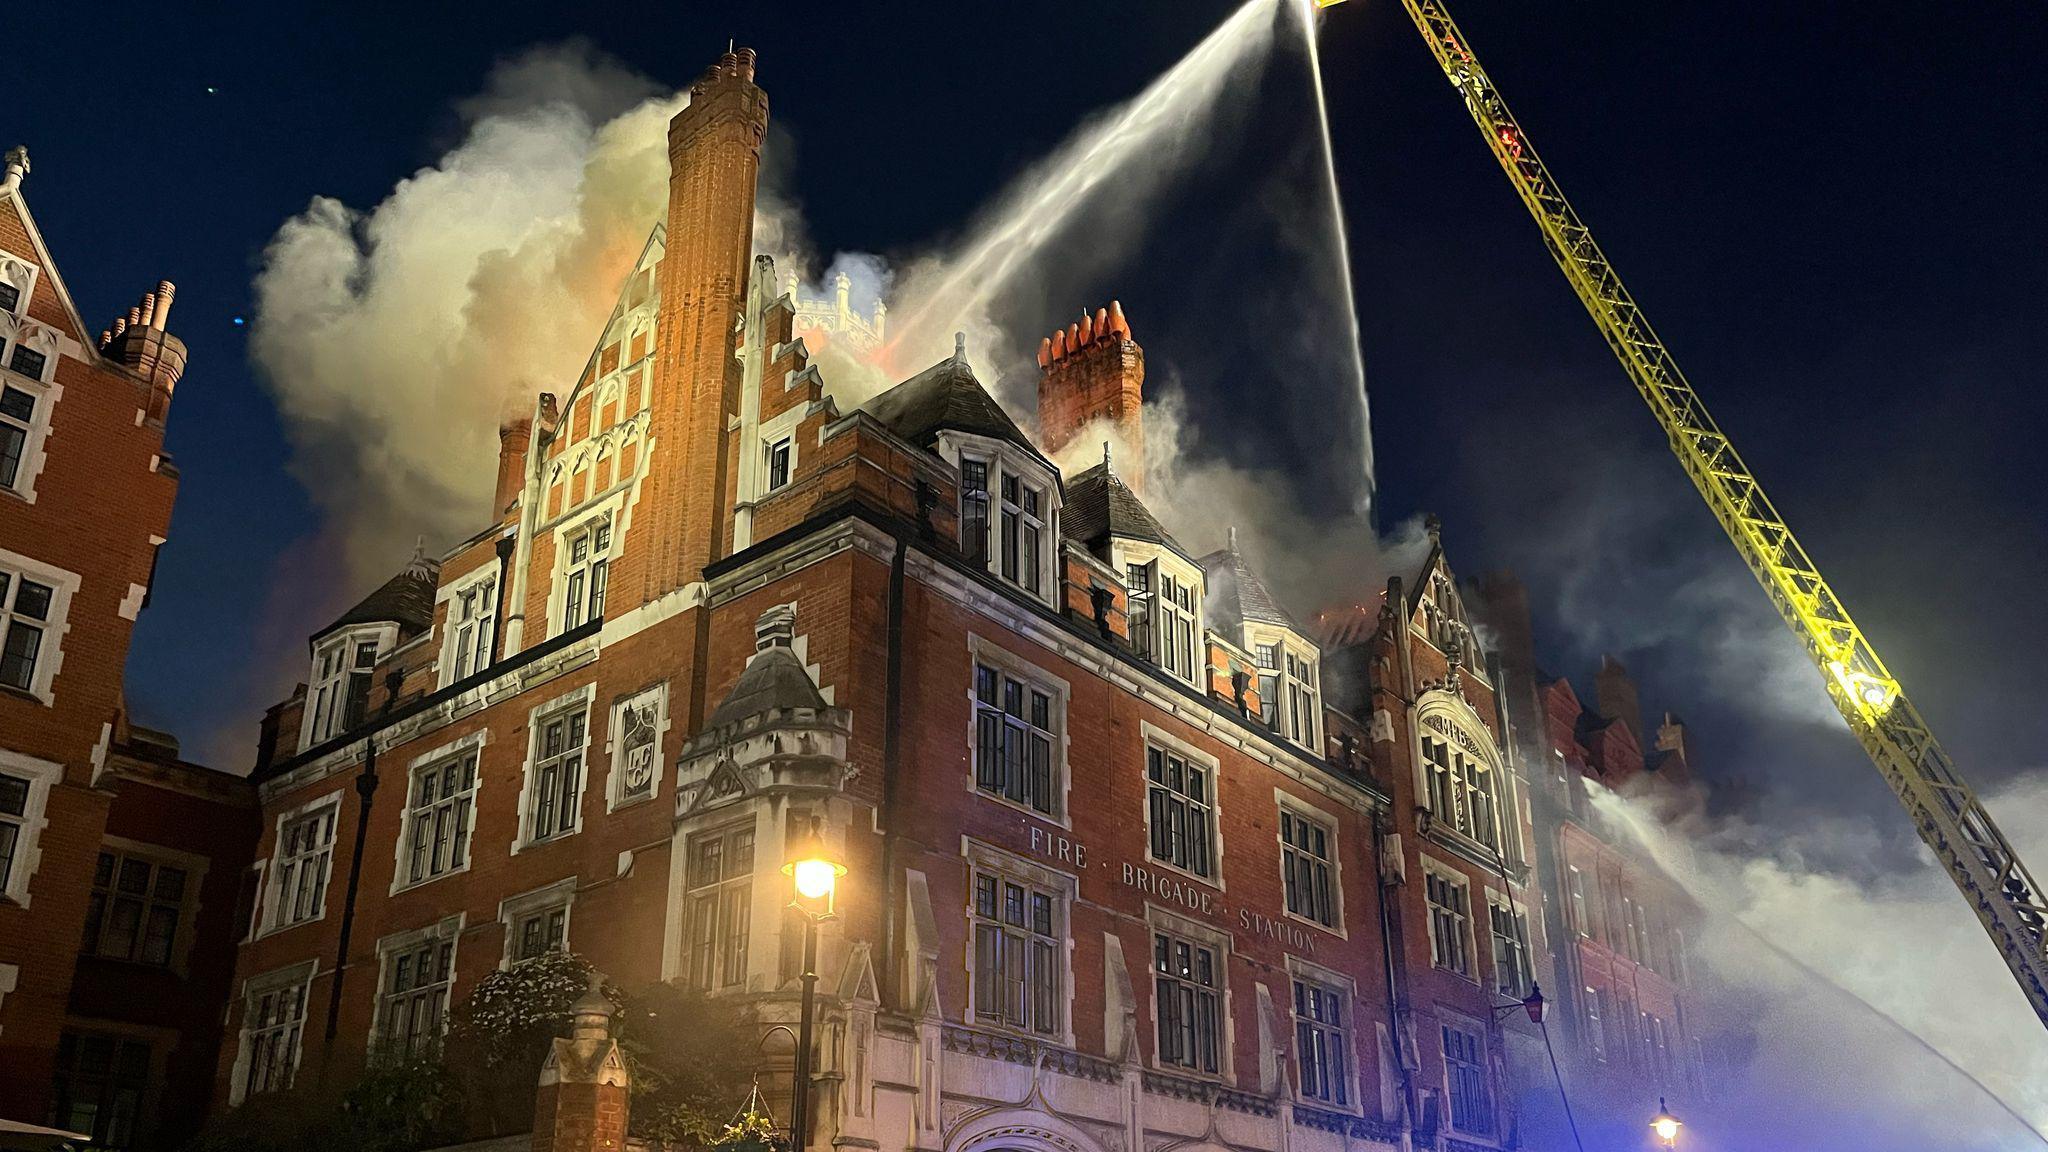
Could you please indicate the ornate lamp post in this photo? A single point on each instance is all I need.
(815, 875)
(1665, 1125)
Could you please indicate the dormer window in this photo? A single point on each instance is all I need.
(1007, 506)
(583, 582)
(1288, 690)
(1023, 533)
(340, 695)
(1164, 624)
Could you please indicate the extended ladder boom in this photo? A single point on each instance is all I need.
(1947, 813)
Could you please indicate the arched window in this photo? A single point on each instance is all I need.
(1462, 780)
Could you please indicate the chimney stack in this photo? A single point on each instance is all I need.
(1093, 371)
(1614, 693)
(714, 155)
(515, 436)
(139, 343)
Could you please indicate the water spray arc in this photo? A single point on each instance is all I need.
(1048, 200)
(1343, 239)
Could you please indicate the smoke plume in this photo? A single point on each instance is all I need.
(1868, 1010)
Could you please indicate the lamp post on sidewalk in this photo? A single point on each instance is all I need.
(815, 876)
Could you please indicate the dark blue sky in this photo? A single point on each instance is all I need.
(1832, 215)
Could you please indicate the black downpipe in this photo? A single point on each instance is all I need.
(892, 760)
(506, 546)
(366, 791)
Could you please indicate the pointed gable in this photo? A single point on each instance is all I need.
(22, 250)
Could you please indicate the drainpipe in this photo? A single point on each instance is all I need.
(514, 640)
(366, 791)
(892, 761)
(506, 546)
(1397, 620)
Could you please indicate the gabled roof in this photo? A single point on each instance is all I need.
(774, 681)
(79, 331)
(406, 599)
(1238, 596)
(1099, 505)
(946, 397)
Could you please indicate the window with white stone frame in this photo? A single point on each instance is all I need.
(17, 284)
(1009, 501)
(1013, 739)
(1165, 598)
(537, 922)
(302, 863)
(780, 462)
(1322, 1036)
(555, 772)
(718, 878)
(25, 784)
(1289, 685)
(273, 1031)
(1180, 809)
(1449, 900)
(18, 429)
(1464, 790)
(1308, 867)
(440, 810)
(586, 571)
(416, 978)
(34, 601)
(1187, 975)
(1511, 974)
(1018, 940)
(338, 690)
(471, 627)
(1466, 1079)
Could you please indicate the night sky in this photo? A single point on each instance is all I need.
(1831, 212)
(1830, 215)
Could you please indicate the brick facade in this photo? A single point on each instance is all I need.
(85, 500)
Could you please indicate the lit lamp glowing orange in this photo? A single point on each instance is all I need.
(815, 874)
(1665, 1125)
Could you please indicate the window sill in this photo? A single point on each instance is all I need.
(1018, 805)
(1336, 929)
(544, 841)
(26, 694)
(409, 885)
(1215, 882)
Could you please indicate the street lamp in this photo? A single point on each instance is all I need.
(1533, 1004)
(814, 873)
(1665, 1125)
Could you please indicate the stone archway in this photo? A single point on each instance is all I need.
(1021, 1130)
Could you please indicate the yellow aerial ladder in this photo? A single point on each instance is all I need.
(1947, 813)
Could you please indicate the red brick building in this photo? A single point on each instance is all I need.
(1629, 1015)
(119, 864)
(1123, 870)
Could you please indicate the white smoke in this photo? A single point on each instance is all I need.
(1808, 961)
(394, 339)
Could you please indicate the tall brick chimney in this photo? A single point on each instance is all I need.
(1092, 371)
(585, 1090)
(140, 343)
(515, 437)
(714, 154)
(1614, 693)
